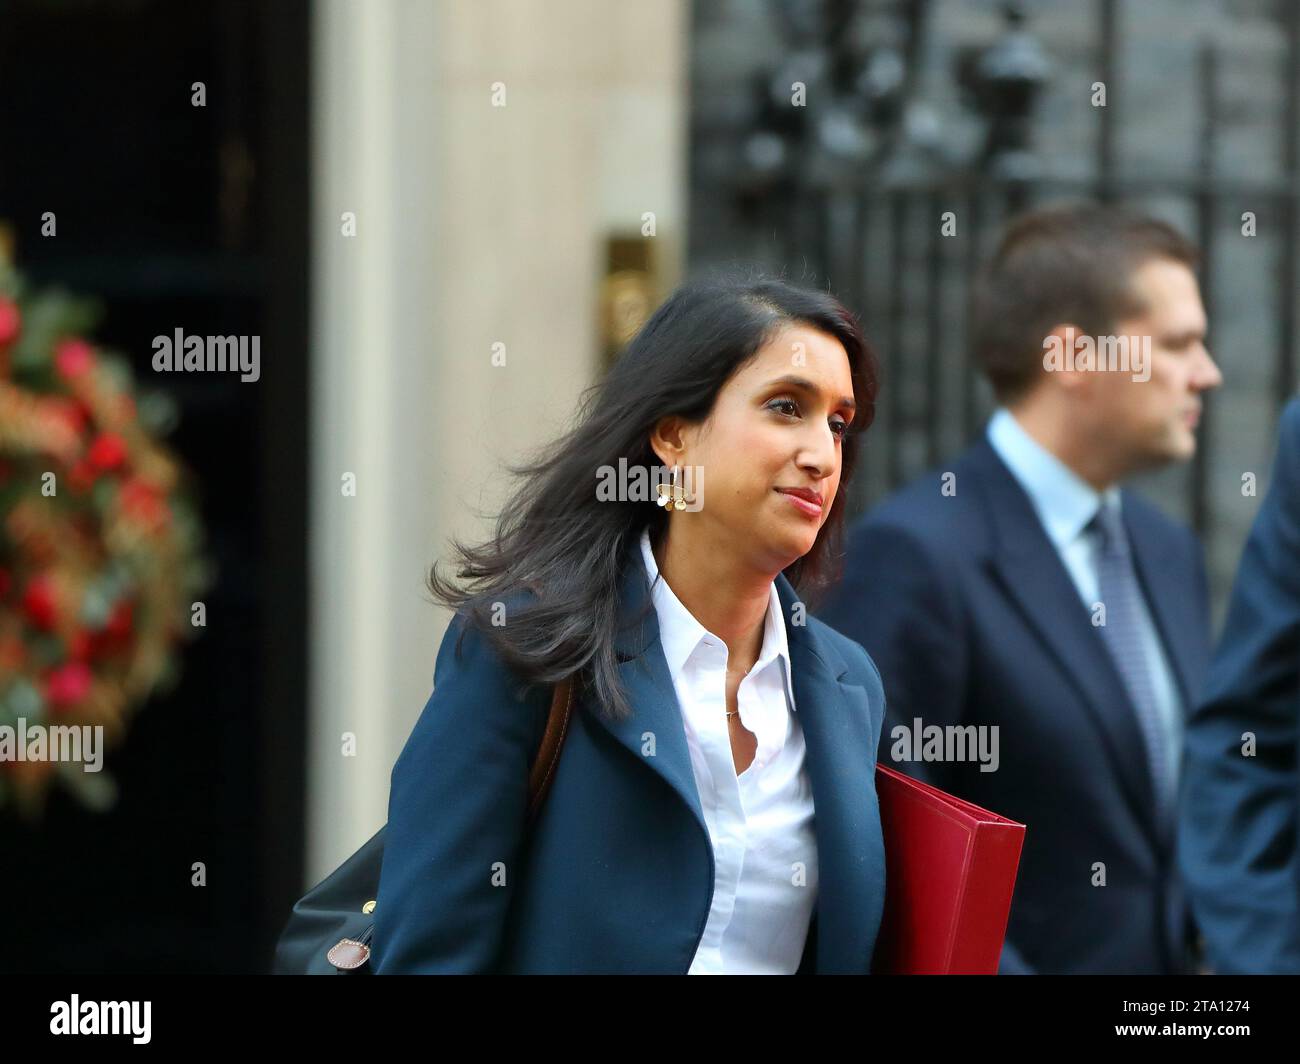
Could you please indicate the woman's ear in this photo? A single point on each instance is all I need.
(666, 440)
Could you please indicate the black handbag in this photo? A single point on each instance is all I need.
(330, 928)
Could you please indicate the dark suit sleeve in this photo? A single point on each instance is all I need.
(893, 600)
(456, 812)
(896, 601)
(1238, 824)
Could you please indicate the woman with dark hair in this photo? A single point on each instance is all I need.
(713, 808)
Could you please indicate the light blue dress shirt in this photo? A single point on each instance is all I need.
(1065, 504)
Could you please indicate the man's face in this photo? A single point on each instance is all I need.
(1154, 420)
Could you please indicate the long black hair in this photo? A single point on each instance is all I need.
(556, 538)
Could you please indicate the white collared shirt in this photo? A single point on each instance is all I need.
(761, 822)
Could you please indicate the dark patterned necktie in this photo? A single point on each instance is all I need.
(1122, 632)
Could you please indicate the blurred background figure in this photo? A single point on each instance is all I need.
(1018, 592)
(933, 123)
(444, 219)
(1240, 821)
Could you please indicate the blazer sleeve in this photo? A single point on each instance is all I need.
(1238, 823)
(894, 602)
(456, 814)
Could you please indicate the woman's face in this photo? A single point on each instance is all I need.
(774, 432)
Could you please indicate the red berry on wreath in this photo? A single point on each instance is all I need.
(68, 684)
(107, 451)
(39, 602)
(73, 357)
(10, 321)
(82, 476)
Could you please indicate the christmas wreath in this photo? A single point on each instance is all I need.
(100, 549)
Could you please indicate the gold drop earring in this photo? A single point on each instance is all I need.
(675, 501)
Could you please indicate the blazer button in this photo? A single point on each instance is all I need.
(369, 907)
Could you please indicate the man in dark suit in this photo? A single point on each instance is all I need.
(1241, 786)
(1041, 632)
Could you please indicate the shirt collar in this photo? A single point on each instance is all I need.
(680, 633)
(1064, 501)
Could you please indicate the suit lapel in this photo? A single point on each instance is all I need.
(653, 731)
(836, 721)
(841, 763)
(1034, 577)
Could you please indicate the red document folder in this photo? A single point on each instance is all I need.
(950, 868)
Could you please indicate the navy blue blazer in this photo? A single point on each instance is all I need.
(616, 874)
(1237, 841)
(965, 605)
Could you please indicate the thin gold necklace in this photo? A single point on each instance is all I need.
(736, 672)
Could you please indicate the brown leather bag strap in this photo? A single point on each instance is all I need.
(548, 754)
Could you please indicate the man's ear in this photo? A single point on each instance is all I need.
(1065, 357)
